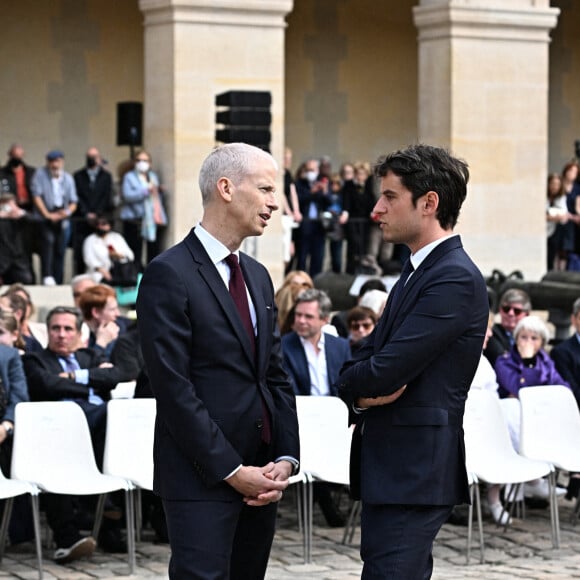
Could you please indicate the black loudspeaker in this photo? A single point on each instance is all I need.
(130, 123)
(245, 117)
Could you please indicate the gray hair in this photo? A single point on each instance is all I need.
(315, 295)
(533, 324)
(516, 296)
(576, 307)
(233, 161)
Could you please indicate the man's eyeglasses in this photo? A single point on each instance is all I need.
(357, 325)
(506, 309)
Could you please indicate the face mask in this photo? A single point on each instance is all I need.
(15, 162)
(142, 166)
(91, 161)
(101, 232)
(311, 175)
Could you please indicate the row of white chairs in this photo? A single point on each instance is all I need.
(53, 453)
(549, 432)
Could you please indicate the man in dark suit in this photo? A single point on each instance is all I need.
(409, 381)
(566, 355)
(63, 372)
(313, 357)
(95, 192)
(226, 434)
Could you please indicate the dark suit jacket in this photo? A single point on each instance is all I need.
(96, 198)
(412, 451)
(203, 373)
(13, 380)
(44, 384)
(337, 351)
(566, 357)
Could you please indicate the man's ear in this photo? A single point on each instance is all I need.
(225, 189)
(430, 202)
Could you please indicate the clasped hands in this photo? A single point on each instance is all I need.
(261, 485)
(367, 402)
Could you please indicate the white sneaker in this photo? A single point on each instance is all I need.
(540, 489)
(499, 515)
(49, 281)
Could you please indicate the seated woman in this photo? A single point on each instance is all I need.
(527, 364)
(294, 282)
(361, 322)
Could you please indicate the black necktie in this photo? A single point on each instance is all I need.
(398, 292)
(237, 288)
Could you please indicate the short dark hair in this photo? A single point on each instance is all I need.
(371, 284)
(424, 168)
(66, 310)
(357, 313)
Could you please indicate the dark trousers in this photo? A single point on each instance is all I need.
(53, 241)
(396, 540)
(219, 540)
(132, 235)
(312, 244)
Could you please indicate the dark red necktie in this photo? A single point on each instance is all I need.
(237, 288)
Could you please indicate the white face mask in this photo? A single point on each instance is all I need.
(311, 175)
(142, 166)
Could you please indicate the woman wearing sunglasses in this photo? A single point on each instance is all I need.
(515, 304)
(361, 322)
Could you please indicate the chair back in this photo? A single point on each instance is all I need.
(129, 440)
(550, 427)
(490, 454)
(52, 445)
(325, 438)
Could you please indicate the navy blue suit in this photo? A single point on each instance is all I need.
(410, 454)
(337, 352)
(566, 357)
(209, 388)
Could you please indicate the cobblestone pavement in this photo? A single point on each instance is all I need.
(524, 551)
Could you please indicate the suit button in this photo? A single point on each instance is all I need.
(259, 423)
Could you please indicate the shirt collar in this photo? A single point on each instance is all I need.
(216, 250)
(419, 256)
(321, 341)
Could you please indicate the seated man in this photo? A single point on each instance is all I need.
(312, 359)
(100, 310)
(64, 372)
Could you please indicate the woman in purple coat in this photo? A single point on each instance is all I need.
(527, 364)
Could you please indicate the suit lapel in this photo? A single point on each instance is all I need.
(215, 283)
(410, 291)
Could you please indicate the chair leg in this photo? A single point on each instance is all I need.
(138, 507)
(469, 523)
(479, 522)
(300, 506)
(37, 532)
(554, 513)
(130, 523)
(8, 503)
(308, 503)
(351, 523)
(99, 516)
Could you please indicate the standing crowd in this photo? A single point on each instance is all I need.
(46, 210)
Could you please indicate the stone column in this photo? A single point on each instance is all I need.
(194, 50)
(483, 92)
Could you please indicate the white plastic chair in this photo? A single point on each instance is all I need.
(53, 449)
(124, 390)
(325, 439)
(489, 451)
(129, 445)
(475, 498)
(9, 489)
(550, 427)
